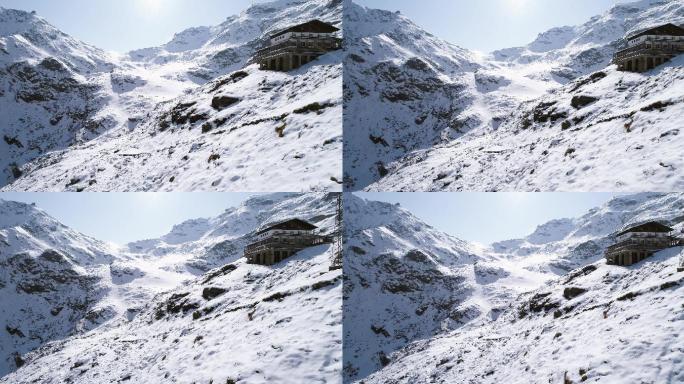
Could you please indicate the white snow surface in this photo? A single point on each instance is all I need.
(78, 119)
(409, 287)
(425, 115)
(602, 336)
(182, 308)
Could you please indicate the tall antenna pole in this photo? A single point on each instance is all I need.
(337, 237)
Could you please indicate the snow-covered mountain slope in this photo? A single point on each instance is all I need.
(191, 283)
(202, 244)
(610, 130)
(574, 51)
(210, 51)
(419, 122)
(251, 130)
(50, 280)
(404, 90)
(602, 323)
(127, 124)
(560, 246)
(26, 36)
(406, 281)
(46, 98)
(239, 323)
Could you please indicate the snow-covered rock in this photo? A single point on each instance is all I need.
(416, 299)
(406, 281)
(596, 324)
(172, 308)
(560, 246)
(125, 123)
(424, 115)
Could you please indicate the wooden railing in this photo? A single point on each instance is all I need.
(646, 244)
(287, 241)
(641, 49)
(302, 46)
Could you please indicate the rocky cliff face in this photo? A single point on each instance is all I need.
(175, 117)
(49, 281)
(76, 302)
(462, 121)
(595, 323)
(418, 299)
(406, 281)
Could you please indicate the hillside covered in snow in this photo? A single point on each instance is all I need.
(192, 115)
(181, 308)
(426, 115)
(423, 306)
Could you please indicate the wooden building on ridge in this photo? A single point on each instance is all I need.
(650, 48)
(298, 45)
(276, 242)
(639, 242)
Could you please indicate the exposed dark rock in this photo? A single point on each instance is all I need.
(53, 64)
(14, 331)
(207, 127)
(18, 361)
(380, 331)
(177, 303)
(211, 293)
(13, 141)
(542, 302)
(356, 58)
(382, 170)
(233, 78)
(582, 272)
(220, 103)
(378, 140)
(544, 112)
(571, 292)
(180, 113)
(582, 101)
(357, 250)
(384, 360)
(416, 64)
(53, 256)
(313, 107)
(417, 256)
(658, 105)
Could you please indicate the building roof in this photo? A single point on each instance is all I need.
(290, 224)
(313, 26)
(651, 226)
(663, 30)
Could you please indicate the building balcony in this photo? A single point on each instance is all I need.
(649, 245)
(642, 50)
(287, 242)
(300, 46)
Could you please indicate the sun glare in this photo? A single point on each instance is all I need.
(516, 5)
(150, 5)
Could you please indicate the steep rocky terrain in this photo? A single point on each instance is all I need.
(190, 115)
(49, 281)
(596, 324)
(409, 287)
(548, 116)
(563, 245)
(173, 308)
(406, 281)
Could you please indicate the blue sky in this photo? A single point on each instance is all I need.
(124, 25)
(487, 25)
(126, 217)
(489, 217)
